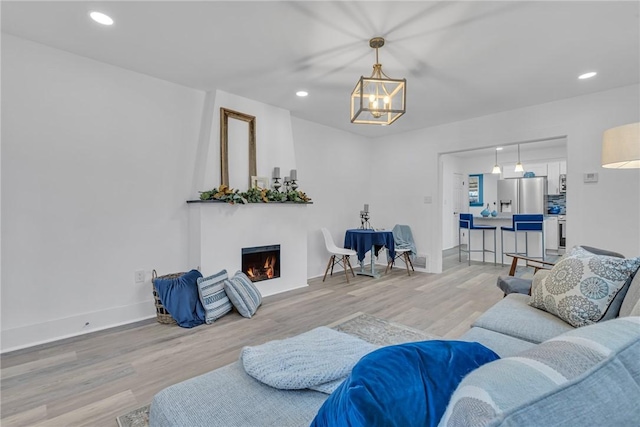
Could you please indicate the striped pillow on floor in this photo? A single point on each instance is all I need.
(213, 296)
(243, 294)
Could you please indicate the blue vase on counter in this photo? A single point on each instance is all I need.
(494, 213)
(485, 213)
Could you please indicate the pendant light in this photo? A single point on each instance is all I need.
(378, 99)
(519, 167)
(496, 168)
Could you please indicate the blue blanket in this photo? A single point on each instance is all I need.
(404, 239)
(404, 385)
(180, 297)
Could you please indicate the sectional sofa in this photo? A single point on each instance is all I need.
(550, 373)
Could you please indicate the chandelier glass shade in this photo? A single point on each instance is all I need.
(378, 99)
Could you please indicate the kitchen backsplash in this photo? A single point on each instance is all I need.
(557, 200)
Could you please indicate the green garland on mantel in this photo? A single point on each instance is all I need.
(253, 195)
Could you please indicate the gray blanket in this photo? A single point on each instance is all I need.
(318, 360)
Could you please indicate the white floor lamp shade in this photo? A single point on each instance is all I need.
(621, 147)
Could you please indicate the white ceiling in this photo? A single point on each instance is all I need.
(460, 59)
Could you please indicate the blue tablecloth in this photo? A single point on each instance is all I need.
(362, 241)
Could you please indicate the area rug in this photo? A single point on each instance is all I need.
(369, 328)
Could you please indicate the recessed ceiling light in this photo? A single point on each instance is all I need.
(587, 75)
(498, 148)
(101, 18)
(302, 93)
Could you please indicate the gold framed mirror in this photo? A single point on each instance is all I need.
(233, 149)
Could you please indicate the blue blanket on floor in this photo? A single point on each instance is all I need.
(180, 297)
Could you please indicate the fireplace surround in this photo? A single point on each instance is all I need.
(219, 231)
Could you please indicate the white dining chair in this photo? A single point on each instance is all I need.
(339, 256)
(403, 239)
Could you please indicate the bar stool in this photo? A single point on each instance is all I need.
(466, 222)
(527, 223)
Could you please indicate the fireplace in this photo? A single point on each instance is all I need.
(261, 262)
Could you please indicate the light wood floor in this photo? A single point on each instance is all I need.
(89, 380)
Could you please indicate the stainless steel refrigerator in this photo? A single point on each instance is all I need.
(522, 195)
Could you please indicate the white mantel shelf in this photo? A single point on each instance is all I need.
(259, 203)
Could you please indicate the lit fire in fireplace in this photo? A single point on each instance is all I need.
(267, 270)
(261, 262)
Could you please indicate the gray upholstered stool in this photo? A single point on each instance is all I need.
(514, 285)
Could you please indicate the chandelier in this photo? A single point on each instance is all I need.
(378, 100)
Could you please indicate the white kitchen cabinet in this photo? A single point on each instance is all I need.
(551, 233)
(555, 169)
(553, 179)
(540, 169)
(508, 172)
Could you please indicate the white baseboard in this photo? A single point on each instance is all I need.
(54, 330)
(267, 290)
(68, 327)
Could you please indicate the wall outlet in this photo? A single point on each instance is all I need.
(139, 276)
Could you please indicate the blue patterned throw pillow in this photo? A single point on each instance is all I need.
(213, 296)
(581, 286)
(402, 385)
(244, 295)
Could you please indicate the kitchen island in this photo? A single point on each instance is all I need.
(502, 220)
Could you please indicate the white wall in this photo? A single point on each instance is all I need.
(95, 174)
(414, 157)
(274, 140)
(334, 169)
